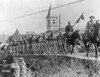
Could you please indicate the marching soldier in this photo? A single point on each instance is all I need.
(30, 43)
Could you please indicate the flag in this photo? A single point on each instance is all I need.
(81, 17)
(16, 35)
(48, 15)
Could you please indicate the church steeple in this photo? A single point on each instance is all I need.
(49, 12)
(52, 21)
(48, 18)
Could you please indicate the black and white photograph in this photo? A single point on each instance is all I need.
(49, 38)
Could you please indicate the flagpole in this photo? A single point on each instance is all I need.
(74, 24)
(76, 21)
(81, 17)
(59, 23)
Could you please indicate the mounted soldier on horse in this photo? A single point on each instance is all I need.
(71, 37)
(91, 35)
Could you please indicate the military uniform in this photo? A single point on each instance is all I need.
(69, 30)
(89, 28)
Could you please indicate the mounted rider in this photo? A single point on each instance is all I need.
(69, 29)
(89, 27)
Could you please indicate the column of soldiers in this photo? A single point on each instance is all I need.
(43, 47)
(28, 46)
(47, 47)
(31, 45)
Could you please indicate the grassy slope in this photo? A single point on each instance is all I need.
(63, 67)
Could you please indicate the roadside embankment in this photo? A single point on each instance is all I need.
(64, 66)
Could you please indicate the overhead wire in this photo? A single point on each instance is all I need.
(44, 10)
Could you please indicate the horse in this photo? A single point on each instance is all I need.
(73, 39)
(92, 38)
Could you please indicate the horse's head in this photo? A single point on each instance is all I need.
(76, 35)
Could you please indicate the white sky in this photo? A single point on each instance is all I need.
(37, 23)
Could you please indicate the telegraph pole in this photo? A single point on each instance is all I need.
(59, 23)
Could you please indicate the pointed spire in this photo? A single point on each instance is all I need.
(17, 31)
(16, 35)
(49, 11)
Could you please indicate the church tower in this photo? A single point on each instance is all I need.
(52, 21)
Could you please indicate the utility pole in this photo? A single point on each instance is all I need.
(59, 23)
